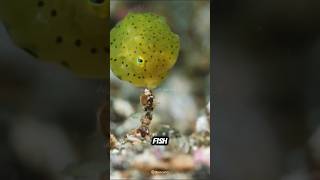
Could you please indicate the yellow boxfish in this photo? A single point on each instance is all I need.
(73, 33)
(143, 49)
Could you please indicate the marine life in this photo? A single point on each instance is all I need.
(72, 33)
(143, 49)
(137, 41)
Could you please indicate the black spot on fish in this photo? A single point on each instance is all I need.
(78, 43)
(65, 64)
(97, 1)
(59, 39)
(93, 50)
(53, 13)
(40, 4)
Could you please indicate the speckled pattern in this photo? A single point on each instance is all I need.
(143, 49)
(71, 33)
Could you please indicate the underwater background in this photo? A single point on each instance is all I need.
(49, 114)
(265, 90)
(48, 117)
(187, 86)
(182, 100)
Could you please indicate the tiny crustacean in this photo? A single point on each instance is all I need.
(143, 49)
(146, 100)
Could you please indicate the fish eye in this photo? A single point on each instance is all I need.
(140, 60)
(97, 1)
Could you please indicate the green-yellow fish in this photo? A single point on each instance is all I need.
(143, 49)
(73, 33)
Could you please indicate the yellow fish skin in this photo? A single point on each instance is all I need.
(73, 33)
(143, 49)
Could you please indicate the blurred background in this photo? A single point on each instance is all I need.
(48, 115)
(181, 100)
(48, 119)
(266, 89)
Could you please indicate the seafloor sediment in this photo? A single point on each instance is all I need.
(185, 157)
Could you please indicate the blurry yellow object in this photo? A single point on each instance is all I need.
(143, 49)
(73, 33)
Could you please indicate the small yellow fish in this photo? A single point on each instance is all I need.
(73, 33)
(143, 49)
